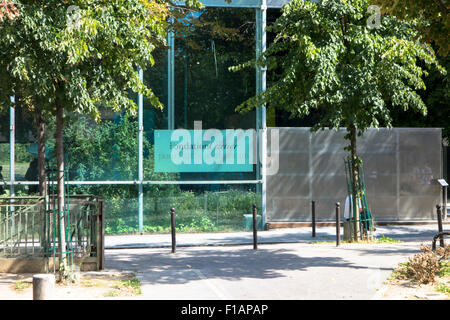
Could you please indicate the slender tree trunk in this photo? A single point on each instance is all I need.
(40, 124)
(60, 180)
(41, 153)
(354, 170)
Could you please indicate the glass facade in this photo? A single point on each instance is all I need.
(115, 158)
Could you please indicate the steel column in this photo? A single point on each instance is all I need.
(141, 155)
(12, 139)
(261, 129)
(171, 81)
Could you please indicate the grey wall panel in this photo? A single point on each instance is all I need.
(381, 185)
(418, 208)
(379, 164)
(290, 163)
(401, 166)
(329, 186)
(290, 209)
(288, 186)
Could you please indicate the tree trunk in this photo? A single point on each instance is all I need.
(40, 124)
(60, 181)
(41, 153)
(354, 164)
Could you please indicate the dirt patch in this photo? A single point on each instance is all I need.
(88, 286)
(409, 290)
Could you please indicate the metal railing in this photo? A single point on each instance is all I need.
(20, 226)
(29, 227)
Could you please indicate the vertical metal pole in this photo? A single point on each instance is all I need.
(313, 213)
(140, 156)
(338, 223)
(439, 219)
(185, 100)
(261, 21)
(172, 224)
(171, 81)
(255, 228)
(12, 139)
(445, 203)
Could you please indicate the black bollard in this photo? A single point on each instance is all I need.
(439, 219)
(313, 213)
(255, 228)
(172, 224)
(338, 223)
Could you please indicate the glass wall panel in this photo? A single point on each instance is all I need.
(204, 88)
(4, 152)
(103, 151)
(154, 119)
(198, 210)
(25, 151)
(121, 205)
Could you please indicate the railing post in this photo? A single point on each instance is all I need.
(439, 219)
(172, 223)
(255, 227)
(338, 224)
(445, 203)
(313, 213)
(101, 246)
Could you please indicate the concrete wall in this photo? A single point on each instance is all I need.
(400, 165)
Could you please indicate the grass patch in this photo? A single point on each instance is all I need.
(384, 239)
(89, 283)
(400, 272)
(127, 287)
(445, 269)
(21, 286)
(444, 288)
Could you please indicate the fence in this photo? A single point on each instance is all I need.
(401, 166)
(28, 229)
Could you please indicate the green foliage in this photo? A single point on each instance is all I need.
(330, 60)
(47, 59)
(444, 288)
(22, 285)
(433, 16)
(385, 239)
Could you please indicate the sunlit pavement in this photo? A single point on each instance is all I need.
(298, 268)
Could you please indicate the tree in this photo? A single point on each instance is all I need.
(433, 16)
(9, 9)
(330, 60)
(73, 56)
(434, 27)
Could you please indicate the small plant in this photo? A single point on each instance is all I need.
(423, 267)
(21, 285)
(126, 287)
(444, 288)
(67, 274)
(384, 239)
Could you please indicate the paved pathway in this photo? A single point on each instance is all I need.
(288, 235)
(289, 263)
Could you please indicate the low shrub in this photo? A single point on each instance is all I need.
(425, 266)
